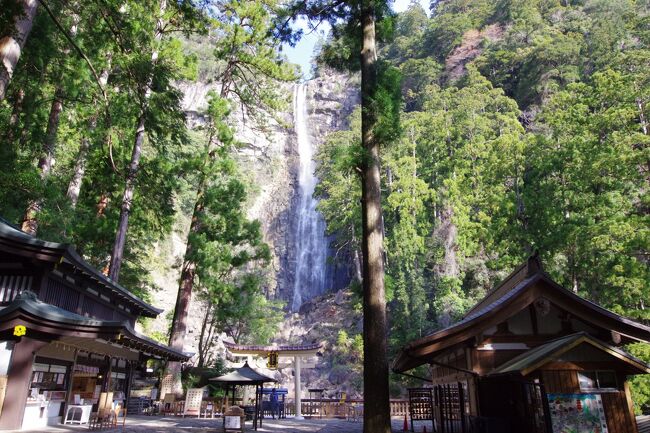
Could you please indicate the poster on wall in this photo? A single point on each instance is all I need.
(577, 413)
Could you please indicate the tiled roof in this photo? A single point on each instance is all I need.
(244, 375)
(31, 309)
(11, 237)
(534, 358)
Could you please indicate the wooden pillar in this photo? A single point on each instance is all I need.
(129, 384)
(261, 399)
(630, 408)
(19, 376)
(68, 388)
(298, 399)
(256, 407)
(106, 383)
(461, 404)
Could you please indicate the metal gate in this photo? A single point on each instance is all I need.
(506, 405)
(536, 412)
(452, 403)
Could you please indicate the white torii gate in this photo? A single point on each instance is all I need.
(296, 353)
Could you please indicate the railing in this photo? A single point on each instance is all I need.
(399, 407)
(335, 408)
(316, 408)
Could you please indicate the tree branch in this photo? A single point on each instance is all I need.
(76, 47)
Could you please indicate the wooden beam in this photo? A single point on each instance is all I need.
(533, 318)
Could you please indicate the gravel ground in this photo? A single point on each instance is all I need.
(154, 424)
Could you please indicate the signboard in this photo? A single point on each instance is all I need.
(577, 413)
(232, 422)
(273, 360)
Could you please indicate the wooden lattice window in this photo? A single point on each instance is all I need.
(12, 285)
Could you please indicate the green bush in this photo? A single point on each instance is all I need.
(640, 385)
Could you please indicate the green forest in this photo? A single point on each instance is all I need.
(523, 127)
(503, 127)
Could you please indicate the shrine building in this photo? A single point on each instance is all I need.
(67, 332)
(531, 357)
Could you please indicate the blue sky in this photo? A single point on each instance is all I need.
(302, 52)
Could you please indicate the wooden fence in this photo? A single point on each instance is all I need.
(335, 408)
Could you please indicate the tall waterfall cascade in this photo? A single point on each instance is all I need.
(312, 276)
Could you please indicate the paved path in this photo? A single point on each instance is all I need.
(153, 424)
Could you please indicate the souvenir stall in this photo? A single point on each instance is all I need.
(67, 334)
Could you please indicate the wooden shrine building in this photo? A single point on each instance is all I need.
(531, 357)
(66, 332)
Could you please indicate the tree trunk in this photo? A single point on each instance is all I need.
(188, 273)
(356, 258)
(15, 115)
(642, 119)
(120, 237)
(206, 337)
(179, 323)
(127, 201)
(358, 275)
(74, 187)
(102, 204)
(182, 308)
(375, 361)
(446, 234)
(30, 221)
(30, 218)
(47, 157)
(202, 344)
(12, 44)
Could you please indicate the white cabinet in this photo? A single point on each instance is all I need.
(41, 413)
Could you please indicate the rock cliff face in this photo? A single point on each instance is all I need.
(269, 159)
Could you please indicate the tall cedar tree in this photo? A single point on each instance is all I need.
(249, 79)
(16, 20)
(353, 24)
(48, 151)
(138, 142)
(172, 17)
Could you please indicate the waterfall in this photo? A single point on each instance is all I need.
(312, 245)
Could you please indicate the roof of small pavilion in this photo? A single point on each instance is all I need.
(16, 242)
(50, 323)
(244, 375)
(286, 350)
(519, 290)
(537, 357)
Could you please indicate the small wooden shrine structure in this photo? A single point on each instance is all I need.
(531, 357)
(297, 353)
(246, 376)
(66, 330)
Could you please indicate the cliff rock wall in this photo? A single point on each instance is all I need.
(269, 159)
